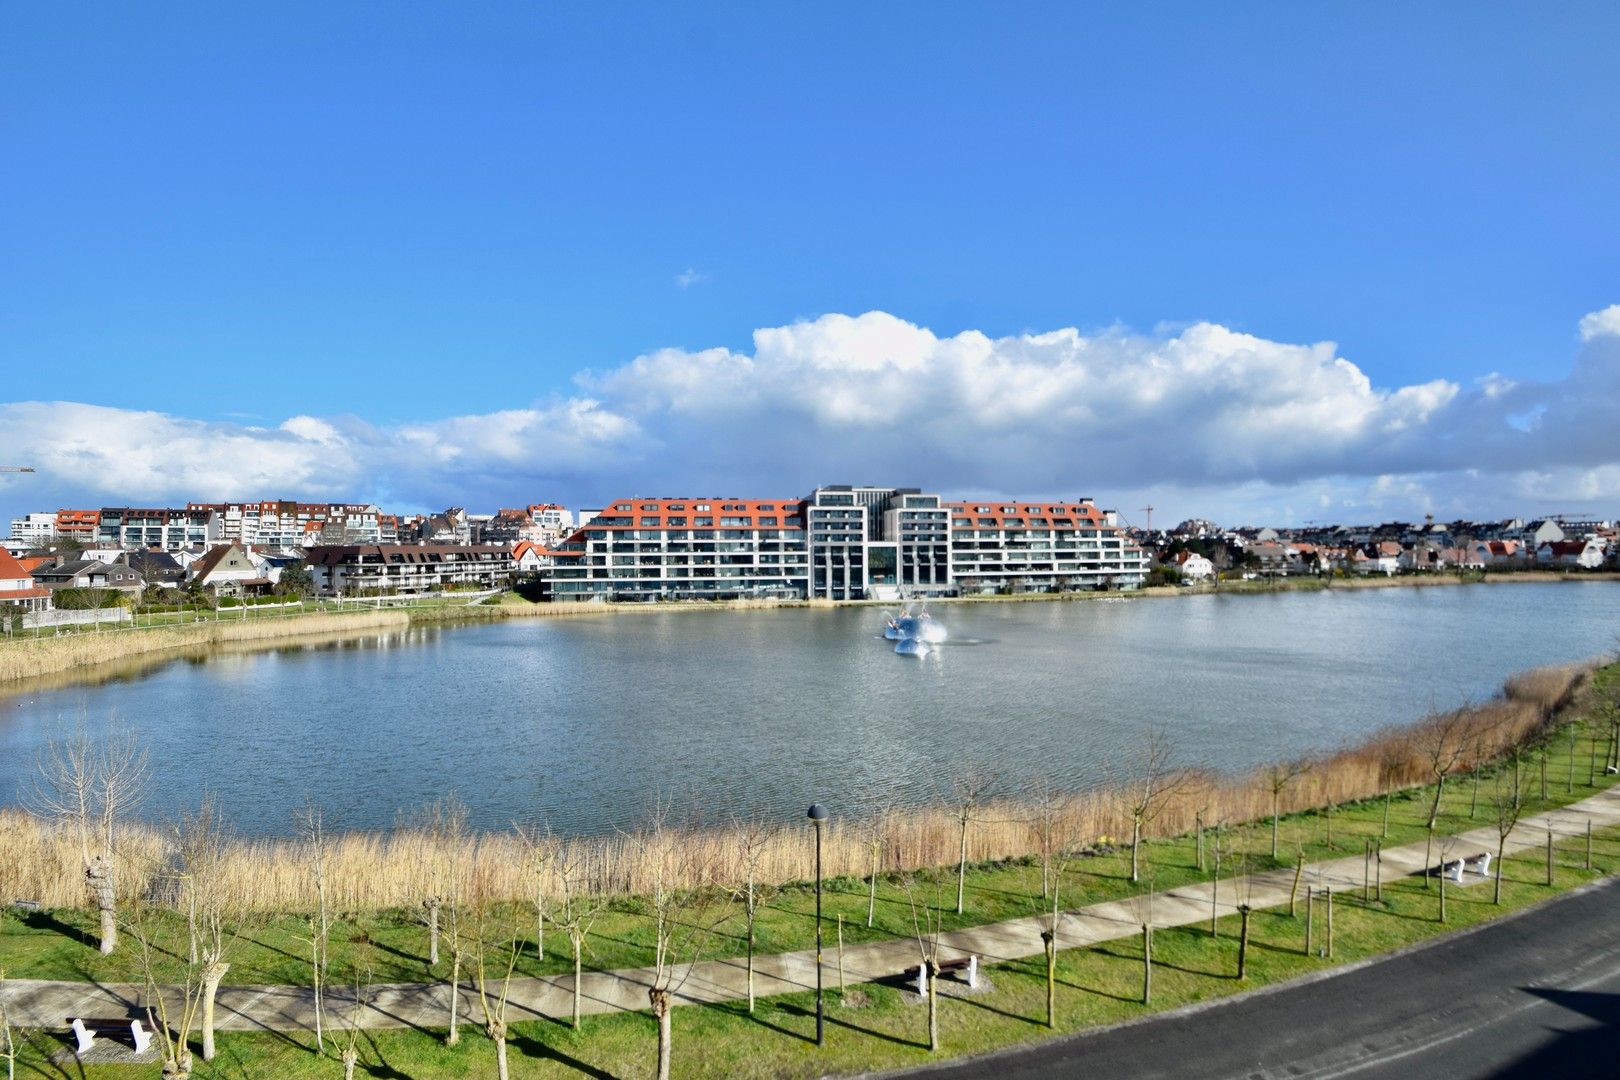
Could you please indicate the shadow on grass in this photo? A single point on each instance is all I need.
(47, 922)
(531, 1047)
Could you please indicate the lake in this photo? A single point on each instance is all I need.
(586, 720)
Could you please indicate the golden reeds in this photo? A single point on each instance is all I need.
(370, 871)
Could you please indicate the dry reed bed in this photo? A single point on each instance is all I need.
(370, 871)
(30, 658)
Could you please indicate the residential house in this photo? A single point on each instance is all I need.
(156, 567)
(229, 570)
(1193, 566)
(18, 587)
(529, 558)
(90, 574)
(1584, 554)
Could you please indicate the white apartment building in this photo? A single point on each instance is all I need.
(34, 529)
(998, 544)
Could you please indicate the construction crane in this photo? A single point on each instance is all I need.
(16, 468)
(1149, 511)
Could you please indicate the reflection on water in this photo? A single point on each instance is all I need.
(587, 720)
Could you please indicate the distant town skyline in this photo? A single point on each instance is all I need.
(1257, 264)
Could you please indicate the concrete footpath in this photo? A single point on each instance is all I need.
(47, 1004)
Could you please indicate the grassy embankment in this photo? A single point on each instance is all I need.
(1097, 985)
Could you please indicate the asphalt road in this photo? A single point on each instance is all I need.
(1537, 995)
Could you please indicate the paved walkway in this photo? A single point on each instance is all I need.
(37, 1003)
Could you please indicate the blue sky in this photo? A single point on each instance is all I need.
(431, 231)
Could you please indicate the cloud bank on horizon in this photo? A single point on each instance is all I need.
(1202, 420)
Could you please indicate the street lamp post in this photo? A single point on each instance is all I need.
(818, 814)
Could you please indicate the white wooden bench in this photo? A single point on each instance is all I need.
(87, 1030)
(1454, 868)
(967, 966)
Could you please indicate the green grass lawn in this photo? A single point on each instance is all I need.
(882, 1026)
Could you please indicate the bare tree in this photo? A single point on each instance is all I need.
(925, 930)
(353, 1014)
(874, 830)
(542, 846)
(496, 942)
(313, 840)
(968, 789)
(89, 787)
(202, 841)
(753, 838)
(687, 904)
(1148, 788)
(1060, 842)
(577, 908)
(1442, 740)
(1278, 777)
(445, 824)
(203, 838)
(1509, 807)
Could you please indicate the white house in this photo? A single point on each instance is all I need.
(17, 586)
(1193, 566)
(1586, 554)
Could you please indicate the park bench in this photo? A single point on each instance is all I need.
(966, 966)
(86, 1031)
(25, 905)
(1454, 868)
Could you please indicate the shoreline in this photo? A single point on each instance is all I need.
(56, 662)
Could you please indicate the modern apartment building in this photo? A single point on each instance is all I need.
(841, 542)
(80, 525)
(34, 529)
(365, 569)
(711, 549)
(133, 528)
(288, 524)
(877, 543)
(997, 544)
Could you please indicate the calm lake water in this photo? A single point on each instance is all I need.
(586, 720)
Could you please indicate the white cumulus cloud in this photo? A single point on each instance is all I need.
(1200, 418)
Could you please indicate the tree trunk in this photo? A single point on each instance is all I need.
(454, 1034)
(1147, 964)
(213, 973)
(933, 1006)
(750, 964)
(1428, 854)
(1275, 798)
(350, 1059)
(1310, 916)
(1496, 891)
(1549, 855)
(497, 1031)
(660, 1007)
(1198, 822)
(1293, 891)
(1328, 894)
(1243, 944)
(179, 1066)
(871, 892)
(1050, 940)
(432, 904)
(1442, 895)
(1386, 814)
(1473, 801)
(99, 877)
(1136, 842)
(961, 866)
(577, 945)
